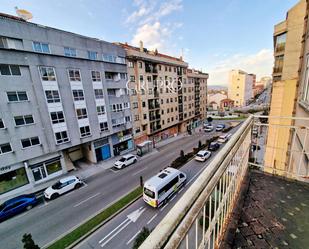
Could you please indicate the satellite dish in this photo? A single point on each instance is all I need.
(24, 14)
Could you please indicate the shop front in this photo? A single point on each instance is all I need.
(102, 149)
(12, 177)
(122, 143)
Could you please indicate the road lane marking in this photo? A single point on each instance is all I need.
(161, 209)
(152, 219)
(134, 236)
(173, 197)
(136, 173)
(181, 189)
(129, 222)
(114, 230)
(80, 203)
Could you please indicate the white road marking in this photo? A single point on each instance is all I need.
(173, 197)
(114, 230)
(181, 189)
(116, 233)
(134, 236)
(196, 175)
(161, 209)
(80, 203)
(152, 219)
(136, 173)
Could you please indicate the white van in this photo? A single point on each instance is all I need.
(160, 187)
(223, 139)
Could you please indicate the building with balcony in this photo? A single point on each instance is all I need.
(163, 100)
(240, 87)
(63, 97)
(288, 36)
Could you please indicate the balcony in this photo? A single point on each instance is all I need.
(243, 199)
(154, 117)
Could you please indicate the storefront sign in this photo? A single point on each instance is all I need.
(124, 138)
(5, 169)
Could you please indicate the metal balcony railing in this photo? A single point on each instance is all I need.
(200, 217)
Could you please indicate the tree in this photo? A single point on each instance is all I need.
(141, 237)
(209, 119)
(199, 144)
(28, 242)
(182, 154)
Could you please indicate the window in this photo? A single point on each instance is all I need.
(278, 64)
(74, 75)
(9, 70)
(61, 137)
(143, 104)
(160, 68)
(98, 93)
(132, 78)
(135, 105)
(172, 118)
(2, 126)
(136, 117)
(52, 96)
(57, 117)
(5, 148)
(78, 95)
(28, 142)
(167, 101)
(168, 110)
(168, 120)
(71, 52)
(101, 110)
(121, 60)
(92, 55)
(162, 112)
(116, 107)
(280, 43)
(81, 113)
(162, 122)
(127, 118)
(123, 76)
(150, 91)
(143, 91)
(126, 105)
(305, 84)
(47, 73)
(140, 64)
(23, 120)
(41, 47)
(171, 100)
(109, 58)
(172, 109)
(17, 96)
(138, 130)
(104, 126)
(130, 64)
(96, 76)
(85, 131)
(149, 79)
(145, 116)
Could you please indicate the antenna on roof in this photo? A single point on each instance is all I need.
(23, 14)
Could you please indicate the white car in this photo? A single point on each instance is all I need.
(125, 160)
(224, 138)
(208, 128)
(202, 155)
(62, 186)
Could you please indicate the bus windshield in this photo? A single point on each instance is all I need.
(149, 193)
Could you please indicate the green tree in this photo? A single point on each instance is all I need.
(199, 144)
(28, 242)
(209, 119)
(182, 154)
(141, 237)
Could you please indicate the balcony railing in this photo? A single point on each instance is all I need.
(200, 217)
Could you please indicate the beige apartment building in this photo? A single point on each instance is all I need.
(240, 87)
(288, 36)
(166, 97)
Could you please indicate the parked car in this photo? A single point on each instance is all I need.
(208, 128)
(62, 186)
(202, 155)
(220, 127)
(224, 138)
(213, 146)
(125, 160)
(255, 131)
(17, 205)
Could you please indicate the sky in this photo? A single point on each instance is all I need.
(213, 36)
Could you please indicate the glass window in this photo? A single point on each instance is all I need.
(28, 142)
(52, 96)
(74, 75)
(10, 70)
(1, 124)
(12, 180)
(81, 113)
(47, 73)
(71, 52)
(96, 76)
(17, 96)
(278, 64)
(41, 47)
(305, 83)
(53, 167)
(100, 110)
(5, 148)
(23, 120)
(85, 131)
(104, 126)
(280, 43)
(98, 93)
(130, 64)
(92, 55)
(132, 78)
(78, 95)
(57, 117)
(61, 137)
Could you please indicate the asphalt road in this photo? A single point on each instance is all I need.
(49, 220)
(121, 231)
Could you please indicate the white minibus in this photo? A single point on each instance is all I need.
(160, 187)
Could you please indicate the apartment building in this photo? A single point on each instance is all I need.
(288, 36)
(240, 87)
(63, 97)
(166, 97)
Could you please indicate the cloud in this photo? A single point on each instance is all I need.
(149, 24)
(259, 63)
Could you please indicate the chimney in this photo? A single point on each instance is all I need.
(181, 58)
(141, 46)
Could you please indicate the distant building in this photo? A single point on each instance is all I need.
(266, 81)
(214, 100)
(240, 87)
(226, 104)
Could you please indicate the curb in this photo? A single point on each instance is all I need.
(96, 227)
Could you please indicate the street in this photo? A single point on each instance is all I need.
(49, 220)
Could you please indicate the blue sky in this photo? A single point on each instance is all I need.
(214, 36)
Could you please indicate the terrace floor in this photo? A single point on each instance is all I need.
(275, 214)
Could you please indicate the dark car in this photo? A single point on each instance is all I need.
(17, 205)
(214, 146)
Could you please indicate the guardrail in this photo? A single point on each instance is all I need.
(199, 218)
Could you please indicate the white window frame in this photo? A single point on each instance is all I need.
(70, 50)
(53, 96)
(41, 48)
(58, 120)
(96, 96)
(74, 77)
(62, 139)
(95, 77)
(101, 110)
(78, 97)
(48, 70)
(104, 128)
(3, 153)
(83, 113)
(92, 52)
(10, 69)
(82, 135)
(31, 141)
(24, 120)
(17, 94)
